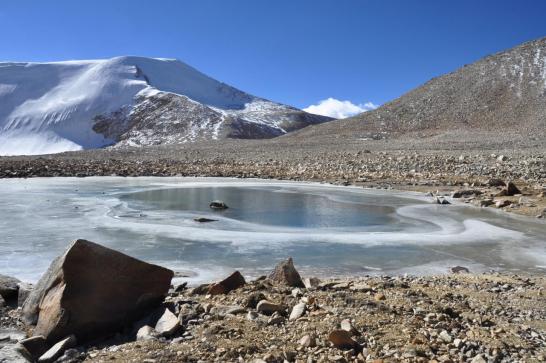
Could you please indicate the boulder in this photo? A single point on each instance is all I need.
(232, 282)
(2, 302)
(92, 290)
(286, 274)
(218, 204)
(58, 349)
(9, 287)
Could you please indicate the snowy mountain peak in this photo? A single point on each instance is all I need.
(128, 100)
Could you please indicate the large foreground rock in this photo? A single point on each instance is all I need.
(286, 274)
(91, 290)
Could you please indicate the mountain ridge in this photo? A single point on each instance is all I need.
(128, 100)
(501, 91)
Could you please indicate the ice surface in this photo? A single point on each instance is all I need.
(40, 216)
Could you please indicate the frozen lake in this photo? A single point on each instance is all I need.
(328, 230)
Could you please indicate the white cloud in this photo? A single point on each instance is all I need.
(339, 109)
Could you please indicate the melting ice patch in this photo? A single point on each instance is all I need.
(374, 231)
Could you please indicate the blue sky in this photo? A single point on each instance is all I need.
(295, 52)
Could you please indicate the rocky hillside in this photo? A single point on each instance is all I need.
(503, 92)
(74, 105)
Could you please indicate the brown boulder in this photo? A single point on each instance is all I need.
(286, 274)
(342, 339)
(92, 290)
(232, 282)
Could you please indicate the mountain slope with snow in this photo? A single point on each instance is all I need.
(73, 105)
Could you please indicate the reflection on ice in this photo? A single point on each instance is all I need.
(328, 230)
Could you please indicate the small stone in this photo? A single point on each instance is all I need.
(341, 339)
(218, 204)
(286, 274)
(167, 324)
(253, 299)
(478, 359)
(457, 342)
(297, 311)
(348, 326)
(146, 333)
(230, 283)
(58, 349)
(379, 296)
(459, 269)
(308, 341)
(276, 319)
(311, 282)
(204, 220)
(444, 335)
(268, 308)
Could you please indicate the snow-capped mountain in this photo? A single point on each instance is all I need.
(73, 105)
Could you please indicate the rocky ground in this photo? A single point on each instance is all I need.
(454, 318)
(457, 318)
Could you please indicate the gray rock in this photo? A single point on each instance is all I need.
(311, 282)
(9, 287)
(218, 204)
(308, 341)
(268, 308)
(146, 333)
(204, 220)
(444, 335)
(14, 353)
(12, 335)
(58, 349)
(276, 319)
(23, 293)
(167, 324)
(478, 359)
(348, 326)
(297, 311)
(459, 269)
